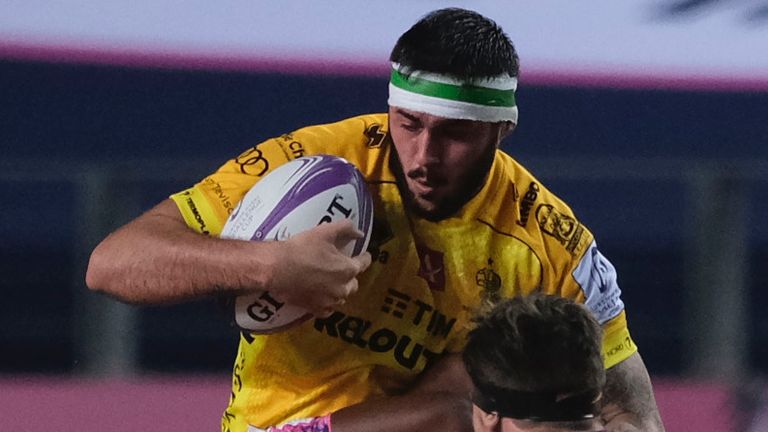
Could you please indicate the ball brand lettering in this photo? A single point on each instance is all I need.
(335, 205)
(357, 331)
(263, 312)
(527, 203)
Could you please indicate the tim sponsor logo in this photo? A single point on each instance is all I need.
(366, 334)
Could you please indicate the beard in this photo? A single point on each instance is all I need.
(469, 186)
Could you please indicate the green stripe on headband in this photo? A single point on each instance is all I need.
(463, 93)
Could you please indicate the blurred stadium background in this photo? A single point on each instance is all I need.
(649, 117)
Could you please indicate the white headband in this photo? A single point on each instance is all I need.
(486, 99)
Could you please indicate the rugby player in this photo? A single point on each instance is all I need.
(536, 366)
(457, 223)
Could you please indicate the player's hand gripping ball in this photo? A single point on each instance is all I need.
(295, 197)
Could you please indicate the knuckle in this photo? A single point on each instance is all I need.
(353, 267)
(352, 286)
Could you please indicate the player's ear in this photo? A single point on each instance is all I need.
(483, 421)
(505, 129)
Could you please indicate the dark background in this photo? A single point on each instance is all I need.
(75, 114)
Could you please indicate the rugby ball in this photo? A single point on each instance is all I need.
(295, 197)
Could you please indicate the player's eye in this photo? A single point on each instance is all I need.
(410, 126)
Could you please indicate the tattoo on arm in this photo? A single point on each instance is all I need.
(628, 396)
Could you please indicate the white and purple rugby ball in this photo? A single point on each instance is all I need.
(295, 197)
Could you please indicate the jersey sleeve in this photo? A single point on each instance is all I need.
(581, 272)
(597, 279)
(207, 205)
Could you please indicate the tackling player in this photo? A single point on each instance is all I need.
(515, 357)
(457, 223)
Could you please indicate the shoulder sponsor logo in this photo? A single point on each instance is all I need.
(375, 135)
(253, 162)
(563, 228)
(527, 203)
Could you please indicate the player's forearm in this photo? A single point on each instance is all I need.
(157, 259)
(418, 412)
(437, 402)
(628, 401)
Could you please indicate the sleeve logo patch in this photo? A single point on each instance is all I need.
(597, 278)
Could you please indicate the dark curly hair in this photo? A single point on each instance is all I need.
(536, 343)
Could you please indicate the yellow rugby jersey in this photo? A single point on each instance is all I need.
(426, 281)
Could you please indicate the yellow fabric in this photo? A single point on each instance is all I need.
(426, 281)
(617, 343)
(197, 211)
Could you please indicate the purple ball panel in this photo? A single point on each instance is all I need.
(317, 174)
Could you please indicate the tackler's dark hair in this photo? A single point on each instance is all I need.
(536, 350)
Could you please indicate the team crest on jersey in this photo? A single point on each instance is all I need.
(565, 229)
(490, 281)
(431, 267)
